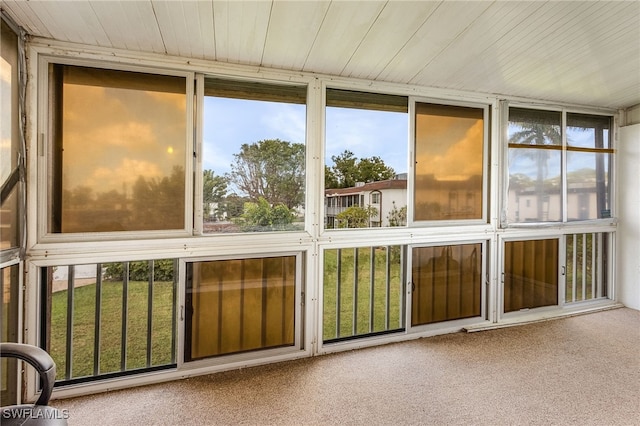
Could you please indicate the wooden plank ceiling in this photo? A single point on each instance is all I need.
(576, 52)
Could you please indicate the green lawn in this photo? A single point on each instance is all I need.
(136, 343)
(363, 288)
(111, 327)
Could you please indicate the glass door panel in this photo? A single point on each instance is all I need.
(530, 274)
(239, 305)
(446, 283)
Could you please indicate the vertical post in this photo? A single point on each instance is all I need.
(372, 283)
(355, 292)
(123, 340)
(574, 267)
(69, 348)
(338, 290)
(150, 312)
(584, 266)
(387, 302)
(97, 321)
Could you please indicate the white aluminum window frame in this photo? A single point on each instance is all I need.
(455, 324)
(237, 360)
(486, 161)
(504, 193)
(42, 146)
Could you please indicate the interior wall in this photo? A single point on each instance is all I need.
(628, 239)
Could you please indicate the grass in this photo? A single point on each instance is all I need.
(360, 281)
(111, 328)
(110, 345)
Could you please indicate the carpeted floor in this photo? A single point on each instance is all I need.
(583, 370)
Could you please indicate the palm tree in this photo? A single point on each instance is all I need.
(535, 134)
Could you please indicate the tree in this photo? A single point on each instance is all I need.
(271, 169)
(536, 133)
(214, 189)
(356, 217)
(397, 217)
(347, 170)
(262, 216)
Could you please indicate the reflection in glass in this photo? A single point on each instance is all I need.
(9, 313)
(9, 141)
(118, 150)
(530, 274)
(240, 305)
(253, 157)
(446, 283)
(589, 157)
(365, 160)
(449, 162)
(535, 184)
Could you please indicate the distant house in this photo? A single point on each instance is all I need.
(383, 195)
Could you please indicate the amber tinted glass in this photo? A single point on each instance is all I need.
(118, 150)
(240, 305)
(449, 162)
(530, 274)
(9, 140)
(446, 283)
(9, 281)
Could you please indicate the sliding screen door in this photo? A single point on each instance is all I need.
(240, 305)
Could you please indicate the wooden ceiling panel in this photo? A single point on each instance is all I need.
(392, 29)
(240, 30)
(343, 29)
(293, 27)
(583, 52)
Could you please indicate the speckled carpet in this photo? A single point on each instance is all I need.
(583, 370)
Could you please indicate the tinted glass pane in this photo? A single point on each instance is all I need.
(253, 157)
(447, 283)
(240, 305)
(119, 151)
(10, 284)
(365, 160)
(530, 274)
(535, 183)
(449, 162)
(9, 140)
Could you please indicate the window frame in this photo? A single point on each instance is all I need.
(43, 146)
(486, 161)
(485, 288)
(300, 314)
(564, 150)
(197, 201)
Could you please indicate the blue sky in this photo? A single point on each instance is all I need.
(228, 123)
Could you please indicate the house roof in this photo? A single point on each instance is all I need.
(368, 187)
(579, 52)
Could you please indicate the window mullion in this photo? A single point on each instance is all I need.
(565, 193)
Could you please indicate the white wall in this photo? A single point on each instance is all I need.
(628, 236)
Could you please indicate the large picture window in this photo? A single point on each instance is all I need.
(449, 162)
(118, 150)
(253, 157)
